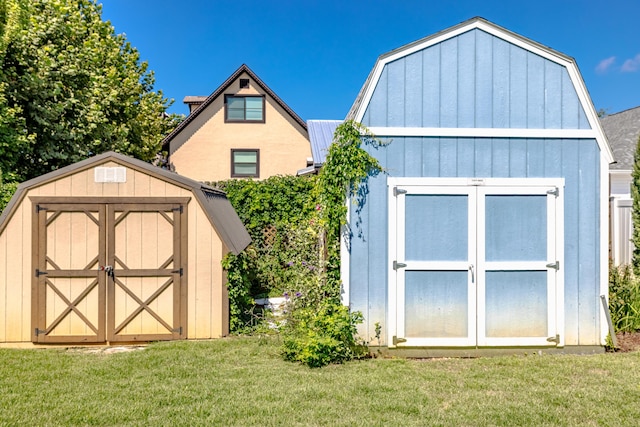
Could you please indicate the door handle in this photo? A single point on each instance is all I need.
(109, 270)
(473, 276)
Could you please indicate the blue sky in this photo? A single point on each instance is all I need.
(317, 54)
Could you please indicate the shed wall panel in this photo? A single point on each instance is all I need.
(575, 160)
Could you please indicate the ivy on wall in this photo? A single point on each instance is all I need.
(296, 224)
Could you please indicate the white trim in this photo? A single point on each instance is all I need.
(497, 182)
(392, 318)
(345, 258)
(604, 245)
(476, 314)
(484, 132)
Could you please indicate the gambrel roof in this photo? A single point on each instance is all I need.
(587, 122)
(220, 91)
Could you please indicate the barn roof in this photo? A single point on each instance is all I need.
(363, 98)
(213, 201)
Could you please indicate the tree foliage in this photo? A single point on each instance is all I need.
(71, 88)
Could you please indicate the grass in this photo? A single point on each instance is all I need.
(242, 381)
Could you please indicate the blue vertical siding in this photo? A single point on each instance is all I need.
(576, 160)
(475, 80)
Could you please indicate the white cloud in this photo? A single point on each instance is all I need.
(605, 64)
(631, 65)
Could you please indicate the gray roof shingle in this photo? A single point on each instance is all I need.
(622, 130)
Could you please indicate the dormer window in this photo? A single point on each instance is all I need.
(244, 108)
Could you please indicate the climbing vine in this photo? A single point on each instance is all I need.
(296, 224)
(319, 330)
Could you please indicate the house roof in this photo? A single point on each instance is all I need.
(243, 69)
(363, 98)
(213, 201)
(321, 136)
(623, 131)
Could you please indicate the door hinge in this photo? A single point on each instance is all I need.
(40, 273)
(555, 339)
(397, 265)
(178, 330)
(179, 209)
(397, 340)
(555, 265)
(555, 191)
(397, 191)
(178, 271)
(40, 208)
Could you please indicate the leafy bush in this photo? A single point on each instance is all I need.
(318, 336)
(624, 298)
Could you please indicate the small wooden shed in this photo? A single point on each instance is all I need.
(489, 230)
(113, 249)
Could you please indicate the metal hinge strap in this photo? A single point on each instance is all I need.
(178, 271)
(397, 340)
(40, 331)
(397, 265)
(40, 208)
(555, 191)
(40, 273)
(397, 191)
(177, 209)
(555, 265)
(178, 330)
(555, 339)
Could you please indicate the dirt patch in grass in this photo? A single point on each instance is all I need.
(628, 341)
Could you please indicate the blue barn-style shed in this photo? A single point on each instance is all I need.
(489, 230)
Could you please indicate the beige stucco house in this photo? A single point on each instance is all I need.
(242, 130)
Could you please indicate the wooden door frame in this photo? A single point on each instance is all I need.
(99, 204)
(40, 273)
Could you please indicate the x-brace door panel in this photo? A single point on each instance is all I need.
(144, 255)
(69, 291)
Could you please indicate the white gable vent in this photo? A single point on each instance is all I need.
(115, 174)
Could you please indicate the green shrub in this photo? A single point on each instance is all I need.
(239, 287)
(624, 298)
(318, 336)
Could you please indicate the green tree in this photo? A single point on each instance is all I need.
(72, 88)
(635, 213)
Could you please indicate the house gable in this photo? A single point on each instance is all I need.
(201, 146)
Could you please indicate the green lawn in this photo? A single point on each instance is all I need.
(242, 381)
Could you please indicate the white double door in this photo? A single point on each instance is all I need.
(475, 262)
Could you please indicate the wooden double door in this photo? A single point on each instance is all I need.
(109, 270)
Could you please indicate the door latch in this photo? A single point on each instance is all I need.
(109, 270)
